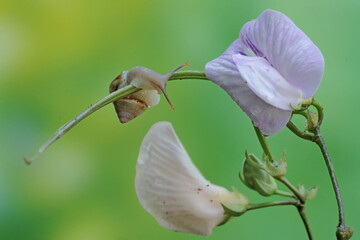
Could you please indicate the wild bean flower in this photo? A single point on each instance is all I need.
(172, 189)
(272, 67)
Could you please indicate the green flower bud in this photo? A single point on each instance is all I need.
(255, 177)
(312, 120)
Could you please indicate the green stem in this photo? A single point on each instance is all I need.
(302, 113)
(321, 143)
(284, 194)
(319, 140)
(93, 108)
(120, 93)
(292, 188)
(188, 75)
(290, 125)
(264, 143)
(319, 109)
(299, 207)
(302, 213)
(271, 204)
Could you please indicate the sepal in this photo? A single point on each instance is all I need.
(256, 177)
(237, 206)
(309, 193)
(276, 168)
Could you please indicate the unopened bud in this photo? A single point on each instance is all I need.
(312, 120)
(256, 178)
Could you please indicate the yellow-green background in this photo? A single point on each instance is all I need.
(58, 56)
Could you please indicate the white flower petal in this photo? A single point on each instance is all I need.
(267, 83)
(172, 189)
(275, 37)
(224, 72)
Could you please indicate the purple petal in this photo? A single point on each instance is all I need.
(275, 37)
(224, 72)
(266, 82)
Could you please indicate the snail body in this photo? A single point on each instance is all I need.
(152, 84)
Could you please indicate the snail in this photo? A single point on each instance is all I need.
(152, 84)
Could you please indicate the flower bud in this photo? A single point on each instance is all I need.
(312, 120)
(256, 178)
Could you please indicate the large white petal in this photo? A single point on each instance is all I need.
(172, 189)
(275, 37)
(224, 72)
(266, 82)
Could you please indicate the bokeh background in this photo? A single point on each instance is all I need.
(58, 57)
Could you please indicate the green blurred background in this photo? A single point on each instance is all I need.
(58, 57)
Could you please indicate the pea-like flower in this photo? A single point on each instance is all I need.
(171, 188)
(272, 67)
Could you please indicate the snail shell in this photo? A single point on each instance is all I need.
(135, 104)
(129, 108)
(152, 84)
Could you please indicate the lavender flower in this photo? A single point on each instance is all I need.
(270, 68)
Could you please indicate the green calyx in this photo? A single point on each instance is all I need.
(276, 168)
(309, 193)
(255, 176)
(236, 207)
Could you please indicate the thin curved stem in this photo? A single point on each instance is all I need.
(319, 109)
(302, 213)
(93, 108)
(264, 143)
(299, 207)
(321, 143)
(301, 113)
(272, 204)
(319, 140)
(188, 75)
(284, 194)
(120, 93)
(292, 188)
(290, 125)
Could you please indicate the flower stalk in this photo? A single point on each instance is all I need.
(120, 93)
(319, 140)
(300, 205)
(123, 92)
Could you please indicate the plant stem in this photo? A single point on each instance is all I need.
(321, 143)
(299, 207)
(120, 93)
(188, 75)
(302, 213)
(292, 188)
(284, 194)
(319, 109)
(290, 125)
(264, 143)
(267, 151)
(271, 204)
(65, 128)
(319, 140)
